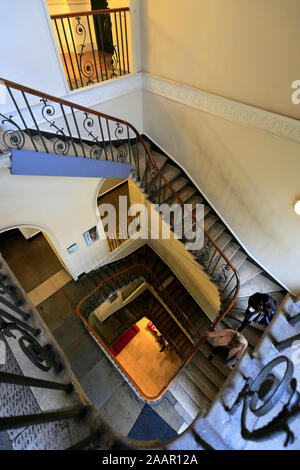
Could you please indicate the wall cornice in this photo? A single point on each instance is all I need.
(224, 108)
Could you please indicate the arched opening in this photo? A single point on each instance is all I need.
(31, 256)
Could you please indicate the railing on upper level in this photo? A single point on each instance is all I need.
(121, 234)
(32, 113)
(94, 45)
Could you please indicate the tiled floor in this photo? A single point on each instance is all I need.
(32, 261)
(142, 359)
(49, 287)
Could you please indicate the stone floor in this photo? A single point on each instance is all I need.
(148, 367)
(32, 261)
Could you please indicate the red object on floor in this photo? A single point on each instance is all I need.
(123, 340)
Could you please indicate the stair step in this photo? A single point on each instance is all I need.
(216, 230)
(194, 392)
(208, 368)
(247, 271)
(185, 400)
(170, 172)
(208, 388)
(259, 283)
(206, 349)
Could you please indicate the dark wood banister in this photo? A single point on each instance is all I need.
(88, 12)
(220, 317)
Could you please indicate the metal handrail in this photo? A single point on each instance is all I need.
(109, 235)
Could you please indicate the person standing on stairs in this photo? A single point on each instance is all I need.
(261, 309)
(228, 342)
(161, 340)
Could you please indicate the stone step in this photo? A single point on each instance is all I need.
(259, 283)
(209, 369)
(201, 380)
(186, 401)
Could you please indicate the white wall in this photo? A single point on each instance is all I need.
(63, 208)
(251, 178)
(27, 53)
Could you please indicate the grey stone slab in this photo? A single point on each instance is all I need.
(68, 331)
(184, 399)
(101, 382)
(122, 409)
(84, 356)
(5, 443)
(183, 413)
(168, 395)
(168, 413)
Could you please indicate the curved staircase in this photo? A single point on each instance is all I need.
(222, 257)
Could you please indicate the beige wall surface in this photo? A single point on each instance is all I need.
(250, 177)
(175, 255)
(63, 208)
(245, 50)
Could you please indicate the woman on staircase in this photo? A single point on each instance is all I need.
(228, 342)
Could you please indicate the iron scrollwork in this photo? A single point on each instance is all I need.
(221, 277)
(203, 256)
(12, 138)
(122, 150)
(61, 144)
(86, 68)
(41, 356)
(261, 394)
(113, 60)
(88, 124)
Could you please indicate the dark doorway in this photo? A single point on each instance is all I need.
(103, 27)
(32, 261)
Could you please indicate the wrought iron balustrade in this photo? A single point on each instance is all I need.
(94, 45)
(121, 234)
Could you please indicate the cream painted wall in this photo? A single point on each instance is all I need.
(245, 50)
(28, 53)
(175, 255)
(63, 208)
(249, 176)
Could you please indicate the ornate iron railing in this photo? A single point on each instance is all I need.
(32, 115)
(94, 45)
(121, 235)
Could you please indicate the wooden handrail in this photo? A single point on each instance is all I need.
(61, 101)
(88, 13)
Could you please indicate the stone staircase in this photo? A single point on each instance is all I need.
(203, 385)
(228, 426)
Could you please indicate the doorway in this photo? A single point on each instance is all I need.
(33, 261)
